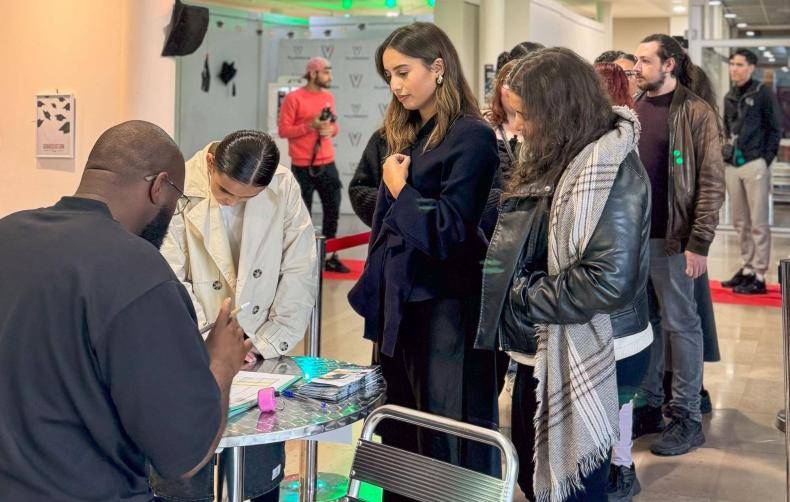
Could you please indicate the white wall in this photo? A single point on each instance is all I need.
(678, 25)
(104, 52)
(460, 20)
(552, 24)
(149, 90)
(629, 32)
(516, 23)
(71, 46)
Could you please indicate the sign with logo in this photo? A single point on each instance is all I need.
(356, 80)
(354, 138)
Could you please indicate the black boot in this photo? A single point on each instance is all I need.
(625, 484)
(681, 435)
(647, 420)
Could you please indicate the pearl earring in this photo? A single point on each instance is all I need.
(440, 80)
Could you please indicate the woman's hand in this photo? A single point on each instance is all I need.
(396, 169)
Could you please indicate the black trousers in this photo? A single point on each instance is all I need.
(326, 180)
(264, 467)
(436, 370)
(523, 411)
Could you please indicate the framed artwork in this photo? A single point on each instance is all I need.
(55, 126)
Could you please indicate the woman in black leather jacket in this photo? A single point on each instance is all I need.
(520, 297)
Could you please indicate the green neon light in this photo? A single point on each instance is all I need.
(431, 3)
(270, 18)
(347, 4)
(390, 4)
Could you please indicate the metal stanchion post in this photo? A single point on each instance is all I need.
(309, 470)
(784, 279)
(310, 485)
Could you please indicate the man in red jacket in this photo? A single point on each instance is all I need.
(307, 121)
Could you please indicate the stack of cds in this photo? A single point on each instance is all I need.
(341, 383)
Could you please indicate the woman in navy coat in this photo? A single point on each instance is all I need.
(419, 292)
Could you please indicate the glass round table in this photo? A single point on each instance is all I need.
(294, 418)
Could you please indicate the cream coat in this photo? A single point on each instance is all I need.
(277, 270)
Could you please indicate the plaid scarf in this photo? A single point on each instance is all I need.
(576, 422)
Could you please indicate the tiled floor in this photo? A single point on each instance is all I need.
(743, 458)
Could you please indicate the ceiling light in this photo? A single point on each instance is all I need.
(785, 69)
(730, 15)
(749, 33)
(762, 47)
(768, 54)
(679, 9)
(742, 25)
(392, 14)
(714, 3)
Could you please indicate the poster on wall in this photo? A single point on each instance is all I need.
(55, 125)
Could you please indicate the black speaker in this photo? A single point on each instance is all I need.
(187, 29)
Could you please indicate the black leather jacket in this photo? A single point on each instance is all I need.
(751, 120)
(610, 277)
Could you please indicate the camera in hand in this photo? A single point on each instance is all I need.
(326, 114)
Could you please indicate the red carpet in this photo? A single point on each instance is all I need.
(724, 295)
(356, 267)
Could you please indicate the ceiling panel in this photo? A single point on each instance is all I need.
(764, 17)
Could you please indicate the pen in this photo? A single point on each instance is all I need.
(292, 395)
(205, 329)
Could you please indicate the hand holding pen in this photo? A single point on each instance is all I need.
(208, 327)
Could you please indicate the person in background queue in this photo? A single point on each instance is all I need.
(565, 276)
(681, 148)
(421, 284)
(751, 124)
(634, 354)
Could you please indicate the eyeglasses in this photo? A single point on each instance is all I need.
(183, 200)
(630, 73)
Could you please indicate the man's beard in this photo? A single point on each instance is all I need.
(156, 229)
(326, 84)
(654, 86)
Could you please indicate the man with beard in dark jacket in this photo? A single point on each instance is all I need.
(681, 151)
(751, 123)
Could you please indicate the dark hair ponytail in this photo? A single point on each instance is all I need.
(247, 156)
(687, 73)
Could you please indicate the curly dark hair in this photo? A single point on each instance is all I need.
(565, 108)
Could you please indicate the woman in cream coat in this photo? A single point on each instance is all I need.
(247, 235)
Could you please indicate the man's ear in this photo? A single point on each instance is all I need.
(156, 192)
(670, 63)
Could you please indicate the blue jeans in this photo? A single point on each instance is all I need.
(263, 471)
(677, 345)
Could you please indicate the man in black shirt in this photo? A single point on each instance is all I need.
(751, 124)
(103, 366)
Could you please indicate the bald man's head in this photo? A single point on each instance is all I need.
(138, 171)
(133, 150)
